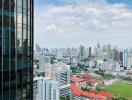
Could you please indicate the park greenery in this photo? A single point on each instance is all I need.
(122, 90)
(105, 76)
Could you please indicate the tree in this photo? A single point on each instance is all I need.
(65, 98)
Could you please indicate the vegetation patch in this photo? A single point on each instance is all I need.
(120, 89)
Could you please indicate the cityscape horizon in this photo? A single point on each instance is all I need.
(86, 46)
(65, 50)
(83, 49)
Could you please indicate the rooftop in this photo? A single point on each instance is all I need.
(40, 78)
(76, 91)
(106, 94)
(77, 79)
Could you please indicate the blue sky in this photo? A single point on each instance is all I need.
(62, 23)
(39, 3)
(127, 2)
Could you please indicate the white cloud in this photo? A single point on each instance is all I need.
(125, 15)
(53, 28)
(60, 10)
(82, 18)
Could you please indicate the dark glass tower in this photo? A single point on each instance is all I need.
(16, 49)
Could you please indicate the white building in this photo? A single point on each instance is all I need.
(45, 89)
(127, 59)
(110, 67)
(61, 73)
(90, 63)
(74, 60)
(43, 61)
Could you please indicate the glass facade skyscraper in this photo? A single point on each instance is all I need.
(16, 49)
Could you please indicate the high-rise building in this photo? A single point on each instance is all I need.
(97, 51)
(127, 59)
(16, 49)
(81, 51)
(45, 89)
(89, 51)
(116, 55)
(121, 58)
(109, 51)
(61, 73)
(43, 61)
(98, 45)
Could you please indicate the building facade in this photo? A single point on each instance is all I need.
(61, 73)
(16, 49)
(81, 51)
(45, 89)
(127, 59)
(43, 62)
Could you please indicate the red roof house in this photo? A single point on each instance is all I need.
(106, 94)
(76, 91)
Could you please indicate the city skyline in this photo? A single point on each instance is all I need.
(65, 50)
(37, 46)
(61, 23)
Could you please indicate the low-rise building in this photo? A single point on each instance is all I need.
(81, 83)
(110, 67)
(78, 94)
(93, 80)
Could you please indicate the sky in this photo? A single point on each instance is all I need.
(66, 23)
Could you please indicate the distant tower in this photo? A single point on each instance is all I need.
(98, 45)
(109, 51)
(126, 59)
(90, 52)
(81, 51)
(116, 55)
(121, 58)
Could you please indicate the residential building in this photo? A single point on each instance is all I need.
(110, 67)
(127, 59)
(61, 73)
(43, 62)
(45, 89)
